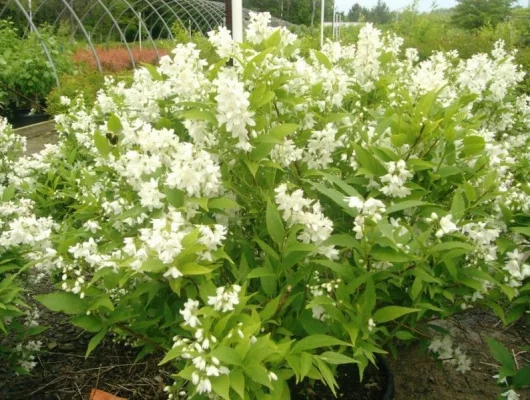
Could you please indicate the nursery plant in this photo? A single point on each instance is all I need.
(23, 238)
(26, 76)
(263, 221)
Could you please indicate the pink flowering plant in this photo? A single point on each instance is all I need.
(262, 223)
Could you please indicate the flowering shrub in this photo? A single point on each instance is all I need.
(22, 237)
(264, 222)
(116, 59)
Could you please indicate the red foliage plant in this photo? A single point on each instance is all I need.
(117, 59)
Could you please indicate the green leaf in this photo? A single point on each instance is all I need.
(336, 196)
(260, 272)
(237, 382)
(281, 131)
(199, 115)
(227, 355)
(474, 145)
(391, 313)
(114, 124)
(522, 378)
(270, 309)
(261, 151)
(9, 193)
(265, 99)
(175, 197)
(368, 161)
(274, 223)
(102, 144)
(258, 374)
(88, 322)
(458, 205)
(317, 341)
(222, 203)
(95, 341)
(450, 246)
(274, 40)
(405, 205)
(525, 230)
(68, 303)
(103, 302)
(193, 269)
(153, 265)
(221, 386)
(389, 254)
(170, 355)
(404, 335)
(332, 357)
(501, 353)
(322, 59)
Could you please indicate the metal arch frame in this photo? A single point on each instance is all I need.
(149, 30)
(215, 11)
(186, 10)
(161, 18)
(168, 29)
(43, 43)
(203, 5)
(122, 36)
(131, 8)
(169, 9)
(85, 33)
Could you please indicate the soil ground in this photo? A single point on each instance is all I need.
(63, 373)
(418, 376)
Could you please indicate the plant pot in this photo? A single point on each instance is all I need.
(23, 117)
(377, 384)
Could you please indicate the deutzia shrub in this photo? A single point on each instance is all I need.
(262, 222)
(23, 238)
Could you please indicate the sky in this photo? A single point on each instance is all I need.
(425, 5)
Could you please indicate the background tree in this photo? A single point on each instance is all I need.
(474, 14)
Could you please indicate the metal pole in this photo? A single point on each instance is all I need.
(228, 14)
(237, 20)
(140, 28)
(333, 20)
(322, 23)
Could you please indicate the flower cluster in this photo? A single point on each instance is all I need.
(370, 211)
(296, 209)
(395, 180)
(443, 347)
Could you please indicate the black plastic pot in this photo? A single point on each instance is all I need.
(390, 388)
(378, 384)
(24, 117)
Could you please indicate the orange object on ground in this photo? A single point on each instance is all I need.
(97, 394)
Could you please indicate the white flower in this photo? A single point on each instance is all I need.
(355, 202)
(225, 299)
(511, 395)
(446, 226)
(191, 307)
(395, 180)
(233, 107)
(173, 273)
(371, 324)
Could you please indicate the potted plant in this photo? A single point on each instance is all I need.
(27, 76)
(264, 224)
